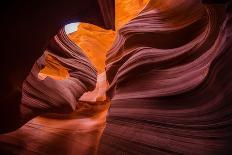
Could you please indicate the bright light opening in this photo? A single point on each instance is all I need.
(72, 27)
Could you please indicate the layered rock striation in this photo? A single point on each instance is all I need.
(169, 81)
(165, 71)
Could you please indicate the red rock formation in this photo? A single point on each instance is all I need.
(169, 88)
(35, 25)
(52, 95)
(169, 84)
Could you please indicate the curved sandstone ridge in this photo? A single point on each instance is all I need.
(168, 51)
(27, 30)
(51, 95)
(170, 81)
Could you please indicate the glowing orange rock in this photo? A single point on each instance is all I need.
(95, 42)
(127, 10)
(53, 69)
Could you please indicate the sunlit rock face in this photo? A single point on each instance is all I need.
(164, 72)
(37, 24)
(54, 89)
(126, 10)
(95, 42)
(53, 68)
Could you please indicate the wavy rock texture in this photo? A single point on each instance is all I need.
(170, 81)
(52, 95)
(57, 81)
(95, 42)
(27, 30)
(76, 133)
(66, 74)
(169, 84)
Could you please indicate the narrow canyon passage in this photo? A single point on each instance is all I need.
(80, 131)
(159, 82)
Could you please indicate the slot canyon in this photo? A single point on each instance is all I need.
(116, 77)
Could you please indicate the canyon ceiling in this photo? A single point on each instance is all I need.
(136, 77)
